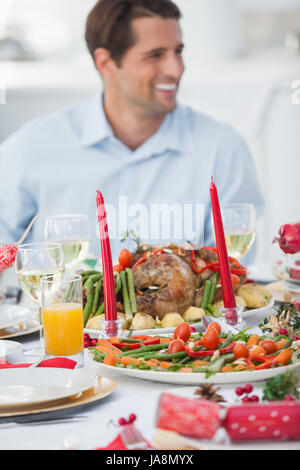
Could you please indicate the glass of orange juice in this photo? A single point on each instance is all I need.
(62, 313)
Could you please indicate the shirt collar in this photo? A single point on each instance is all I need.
(95, 126)
(175, 132)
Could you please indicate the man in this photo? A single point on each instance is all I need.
(151, 158)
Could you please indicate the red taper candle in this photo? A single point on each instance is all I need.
(226, 279)
(110, 304)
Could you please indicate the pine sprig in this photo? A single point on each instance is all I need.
(281, 385)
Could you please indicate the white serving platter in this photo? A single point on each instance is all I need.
(195, 378)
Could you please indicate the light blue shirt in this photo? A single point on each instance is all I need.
(60, 161)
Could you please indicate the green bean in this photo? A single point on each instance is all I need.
(213, 311)
(90, 292)
(212, 289)
(92, 279)
(164, 357)
(97, 296)
(129, 340)
(206, 292)
(227, 342)
(127, 306)
(102, 306)
(146, 349)
(131, 290)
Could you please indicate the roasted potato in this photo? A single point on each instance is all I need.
(240, 301)
(142, 321)
(255, 295)
(94, 322)
(171, 320)
(193, 314)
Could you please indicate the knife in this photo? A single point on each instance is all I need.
(39, 422)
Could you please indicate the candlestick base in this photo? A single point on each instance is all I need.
(111, 328)
(233, 316)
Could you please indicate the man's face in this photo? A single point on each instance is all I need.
(150, 71)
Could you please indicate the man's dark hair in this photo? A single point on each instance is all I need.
(109, 23)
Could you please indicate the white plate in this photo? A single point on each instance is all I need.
(195, 378)
(7, 348)
(29, 438)
(11, 315)
(38, 385)
(262, 312)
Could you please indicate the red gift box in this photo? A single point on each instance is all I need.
(263, 421)
(195, 418)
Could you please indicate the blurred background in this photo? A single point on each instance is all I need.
(242, 58)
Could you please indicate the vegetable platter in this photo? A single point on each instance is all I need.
(192, 358)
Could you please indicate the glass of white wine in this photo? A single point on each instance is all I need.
(239, 222)
(72, 232)
(35, 261)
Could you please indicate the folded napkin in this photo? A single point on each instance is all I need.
(116, 444)
(60, 362)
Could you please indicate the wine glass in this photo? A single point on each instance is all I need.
(72, 232)
(33, 262)
(239, 222)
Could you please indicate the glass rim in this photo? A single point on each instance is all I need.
(35, 246)
(67, 278)
(68, 215)
(234, 205)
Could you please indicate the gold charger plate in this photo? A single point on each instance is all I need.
(103, 387)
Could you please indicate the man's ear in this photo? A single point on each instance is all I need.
(103, 61)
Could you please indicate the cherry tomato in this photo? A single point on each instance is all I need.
(211, 338)
(240, 350)
(269, 346)
(235, 280)
(175, 346)
(125, 258)
(216, 325)
(118, 268)
(183, 331)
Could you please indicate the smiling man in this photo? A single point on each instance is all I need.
(151, 157)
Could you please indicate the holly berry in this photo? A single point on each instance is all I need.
(246, 399)
(289, 398)
(122, 421)
(132, 418)
(283, 331)
(248, 388)
(239, 391)
(94, 342)
(254, 398)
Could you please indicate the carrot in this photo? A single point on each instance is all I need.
(165, 340)
(240, 367)
(258, 351)
(110, 359)
(151, 362)
(165, 364)
(199, 363)
(186, 369)
(105, 346)
(253, 340)
(280, 344)
(127, 360)
(284, 356)
(227, 369)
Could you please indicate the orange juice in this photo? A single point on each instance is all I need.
(63, 329)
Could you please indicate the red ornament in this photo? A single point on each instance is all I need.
(289, 238)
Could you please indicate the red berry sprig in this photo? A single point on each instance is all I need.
(130, 420)
(89, 342)
(248, 388)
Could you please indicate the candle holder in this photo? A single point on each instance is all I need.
(233, 316)
(111, 328)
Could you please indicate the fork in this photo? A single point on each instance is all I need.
(133, 439)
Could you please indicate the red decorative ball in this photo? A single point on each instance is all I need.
(132, 418)
(122, 421)
(284, 332)
(254, 398)
(239, 391)
(248, 388)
